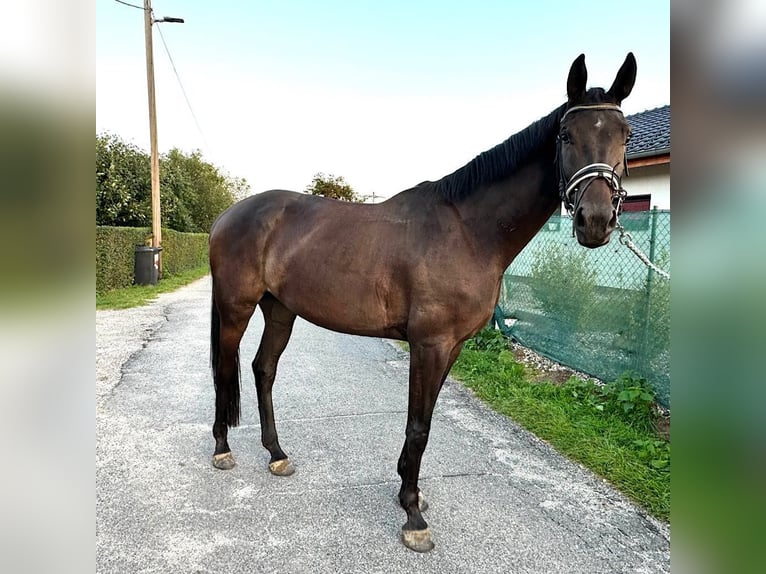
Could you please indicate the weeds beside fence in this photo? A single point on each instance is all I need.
(601, 311)
(115, 248)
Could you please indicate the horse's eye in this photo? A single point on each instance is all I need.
(564, 137)
(627, 139)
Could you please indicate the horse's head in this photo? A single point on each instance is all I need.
(591, 152)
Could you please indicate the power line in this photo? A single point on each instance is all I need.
(178, 77)
(188, 103)
(129, 4)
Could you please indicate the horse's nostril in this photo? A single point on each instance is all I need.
(613, 222)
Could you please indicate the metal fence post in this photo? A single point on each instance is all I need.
(649, 281)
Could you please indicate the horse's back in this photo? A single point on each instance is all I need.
(252, 210)
(345, 266)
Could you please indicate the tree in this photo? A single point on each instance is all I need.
(123, 183)
(332, 186)
(193, 192)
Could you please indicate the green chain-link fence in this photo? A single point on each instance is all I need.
(600, 311)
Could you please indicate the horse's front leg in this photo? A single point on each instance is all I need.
(429, 364)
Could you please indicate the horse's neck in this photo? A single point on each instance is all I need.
(506, 215)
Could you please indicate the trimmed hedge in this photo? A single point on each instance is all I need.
(115, 249)
(182, 251)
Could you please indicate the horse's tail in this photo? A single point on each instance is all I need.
(226, 384)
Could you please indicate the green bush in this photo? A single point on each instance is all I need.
(629, 397)
(650, 314)
(115, 253)
(563, 283)
(488, 339)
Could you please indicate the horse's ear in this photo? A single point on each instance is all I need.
(578, 76)
(626, 77)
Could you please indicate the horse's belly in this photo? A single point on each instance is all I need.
(347, 307)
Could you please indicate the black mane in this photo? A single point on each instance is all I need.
(503, 159)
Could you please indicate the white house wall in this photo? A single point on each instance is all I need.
(651, 180)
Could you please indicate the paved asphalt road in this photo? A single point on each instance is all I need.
(501, 499)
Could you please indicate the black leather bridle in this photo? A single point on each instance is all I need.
(573, 188)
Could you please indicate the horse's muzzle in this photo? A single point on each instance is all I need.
(593, 227)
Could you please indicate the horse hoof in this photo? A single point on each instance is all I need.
(418, 540)
(224, 461)
(422, 504)
(282, 467)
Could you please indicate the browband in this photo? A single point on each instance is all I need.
(592, 107)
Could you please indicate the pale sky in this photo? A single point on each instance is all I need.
(385, 93)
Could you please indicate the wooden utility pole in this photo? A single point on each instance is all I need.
(156, 220)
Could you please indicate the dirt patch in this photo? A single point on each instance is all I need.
(662, 425)
(543, 369)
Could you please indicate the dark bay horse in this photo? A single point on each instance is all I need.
(424, 266)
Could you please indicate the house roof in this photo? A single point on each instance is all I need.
(651, 133)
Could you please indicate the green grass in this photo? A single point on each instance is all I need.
(607, 429)
(137, 295)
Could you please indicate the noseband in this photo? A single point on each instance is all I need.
(573, 189)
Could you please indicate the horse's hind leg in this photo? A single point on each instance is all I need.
(228, 325)
(276, 333)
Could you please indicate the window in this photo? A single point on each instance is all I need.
(637, 203)
(635, 212)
